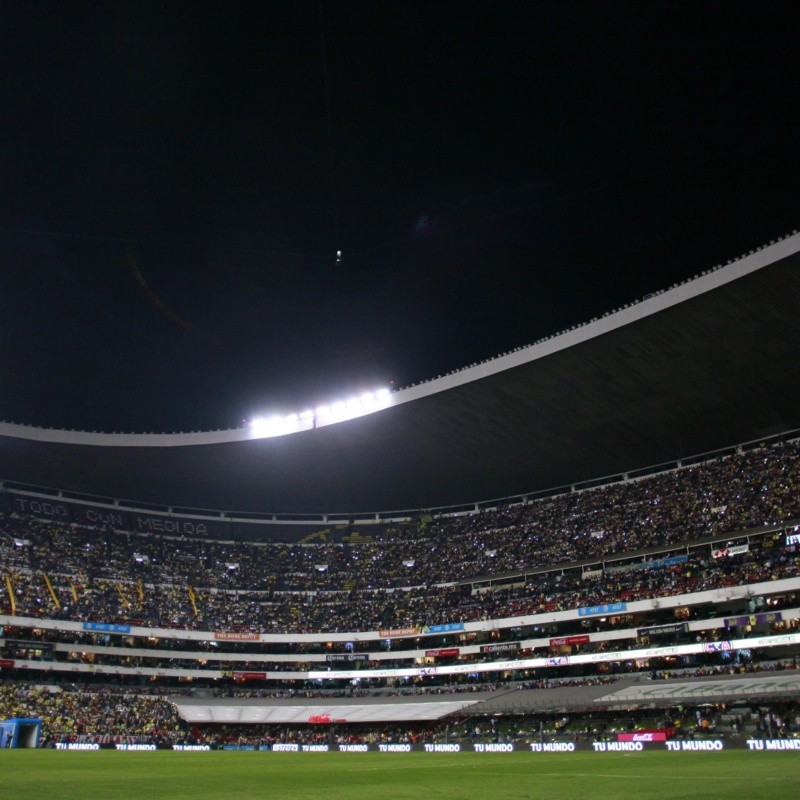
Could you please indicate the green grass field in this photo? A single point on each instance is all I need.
(107, 775)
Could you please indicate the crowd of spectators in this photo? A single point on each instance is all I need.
(405, 576)
(742, 668)
(399, 576)
(109, 716)
(172, 607)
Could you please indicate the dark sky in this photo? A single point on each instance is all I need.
(176, 178)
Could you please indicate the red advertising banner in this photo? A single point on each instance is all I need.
(6, 663)
(443, 652)
(249, 676)
(562, 640)
(655, 735)
(237, 636)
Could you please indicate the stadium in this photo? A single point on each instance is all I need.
(399, 399)
(609, 569)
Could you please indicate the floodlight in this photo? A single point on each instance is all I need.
(259, 426)
(355, 406)
(264, 427)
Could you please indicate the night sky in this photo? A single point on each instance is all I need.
(177, 177)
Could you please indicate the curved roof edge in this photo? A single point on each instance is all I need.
(651, 304)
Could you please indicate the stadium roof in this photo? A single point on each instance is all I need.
(628, 691)
(697, 367)
(272, 711)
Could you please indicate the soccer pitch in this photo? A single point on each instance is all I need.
(107, 775)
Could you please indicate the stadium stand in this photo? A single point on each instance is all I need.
(138, 618)
(663, 600)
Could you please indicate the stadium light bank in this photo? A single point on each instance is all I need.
(341, 411)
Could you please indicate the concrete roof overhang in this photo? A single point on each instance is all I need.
(701, 366)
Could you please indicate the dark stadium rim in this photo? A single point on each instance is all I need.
(44, 494)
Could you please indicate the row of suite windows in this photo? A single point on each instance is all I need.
(648, 629)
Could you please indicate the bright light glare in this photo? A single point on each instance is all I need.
(339, 411)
